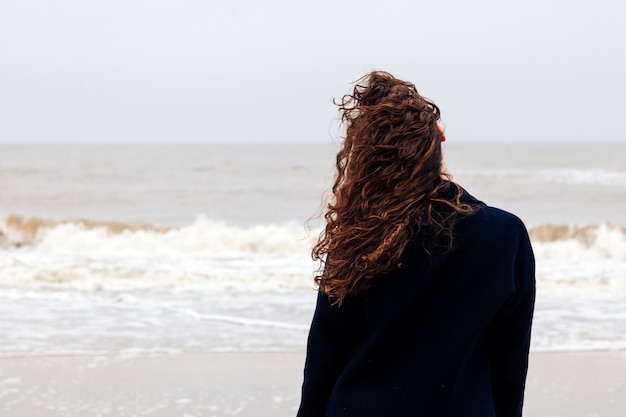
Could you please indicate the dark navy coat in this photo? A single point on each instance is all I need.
(443, 335)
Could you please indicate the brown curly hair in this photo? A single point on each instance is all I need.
(387, 189)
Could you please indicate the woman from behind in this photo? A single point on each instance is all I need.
(426, 294)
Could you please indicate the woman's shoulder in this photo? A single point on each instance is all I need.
(488, 220)
(497, 217)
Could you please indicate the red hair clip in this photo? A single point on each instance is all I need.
(440, 130)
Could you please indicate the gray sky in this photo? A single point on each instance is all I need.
(243, 71)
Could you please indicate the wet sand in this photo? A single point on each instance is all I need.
(579, 384)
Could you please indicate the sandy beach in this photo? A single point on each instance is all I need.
(590, 384)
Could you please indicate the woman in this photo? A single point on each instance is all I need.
(426, 294)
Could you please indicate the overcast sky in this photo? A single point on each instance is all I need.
(267, 71)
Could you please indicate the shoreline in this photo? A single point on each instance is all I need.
(255, 384)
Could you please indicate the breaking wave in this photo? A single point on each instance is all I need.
(601, 241)
(89, 255)
(85, 254)
(253, 286)
(204, 236)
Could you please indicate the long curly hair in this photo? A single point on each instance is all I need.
(387, 189)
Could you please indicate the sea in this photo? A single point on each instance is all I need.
(129, 249)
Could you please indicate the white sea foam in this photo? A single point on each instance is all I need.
(203, 237)
(219, 287)
(210, 254)
(244, 321)
(205, 253)
(588, 260)
(586, 177)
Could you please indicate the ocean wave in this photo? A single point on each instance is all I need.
(243, 321)
(83, 255)
(207, 235)
(567, 242)
(582, 176)
(20, 231)
(252, 286)
(204, 236)
(587, 235)
(558, 176)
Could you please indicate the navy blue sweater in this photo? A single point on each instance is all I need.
(443, 335)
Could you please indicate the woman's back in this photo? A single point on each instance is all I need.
(426, 294)
(440, 336)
